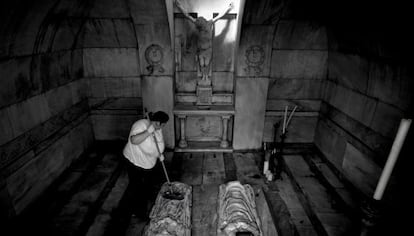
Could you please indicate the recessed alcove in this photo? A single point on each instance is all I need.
(204, 113)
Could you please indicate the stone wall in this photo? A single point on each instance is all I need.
(44, 121)
(71, 74)
(293, 49)
(111, 69)
(366, 94)
(116, 41)
(298, 68)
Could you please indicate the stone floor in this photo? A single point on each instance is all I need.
(88, 199)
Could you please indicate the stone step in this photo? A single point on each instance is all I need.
(37, 216)
(104, 216)
(264, 212)
(279, 211)
(320, 205)
(297, 214)
(79, 212)
(346, 197)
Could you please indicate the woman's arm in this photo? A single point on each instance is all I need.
(140, 137)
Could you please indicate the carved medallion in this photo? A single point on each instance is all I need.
(254, 59)
(154, 56)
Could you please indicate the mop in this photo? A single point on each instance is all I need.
(170, 193)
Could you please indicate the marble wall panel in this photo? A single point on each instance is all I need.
(250, 107)
(155, 51)
(107, 33)
(349, 70)
(255, 50)
(292, 34)
(293, 64)
(295, 89)
(110, 62)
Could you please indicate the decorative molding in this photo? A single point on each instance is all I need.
(217, 98)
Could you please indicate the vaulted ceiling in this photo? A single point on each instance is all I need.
(29, 27)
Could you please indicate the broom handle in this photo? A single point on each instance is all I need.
(165, 171)
(162, 162)
(158, 149)
(153, 134)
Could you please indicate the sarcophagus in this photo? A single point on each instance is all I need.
(171, 217)
(237, 210)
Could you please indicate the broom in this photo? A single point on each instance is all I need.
(169, 194)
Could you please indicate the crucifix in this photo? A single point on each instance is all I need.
(205, 29)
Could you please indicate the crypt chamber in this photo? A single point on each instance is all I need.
(286, 117)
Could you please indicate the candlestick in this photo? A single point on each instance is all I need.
(392, 158)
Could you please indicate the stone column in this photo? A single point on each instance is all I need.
(225, 120)
(182, 143)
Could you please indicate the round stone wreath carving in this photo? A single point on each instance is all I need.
(255, 57)
(154, 54)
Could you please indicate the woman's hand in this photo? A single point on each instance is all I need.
(150, 129)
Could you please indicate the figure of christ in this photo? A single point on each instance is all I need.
(205, 29)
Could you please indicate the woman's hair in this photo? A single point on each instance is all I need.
(159, 116)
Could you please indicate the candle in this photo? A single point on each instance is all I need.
(392, 158)
(266, 167)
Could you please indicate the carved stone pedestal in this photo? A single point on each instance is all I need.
(204, 95)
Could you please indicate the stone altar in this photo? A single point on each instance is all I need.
(204, 129)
